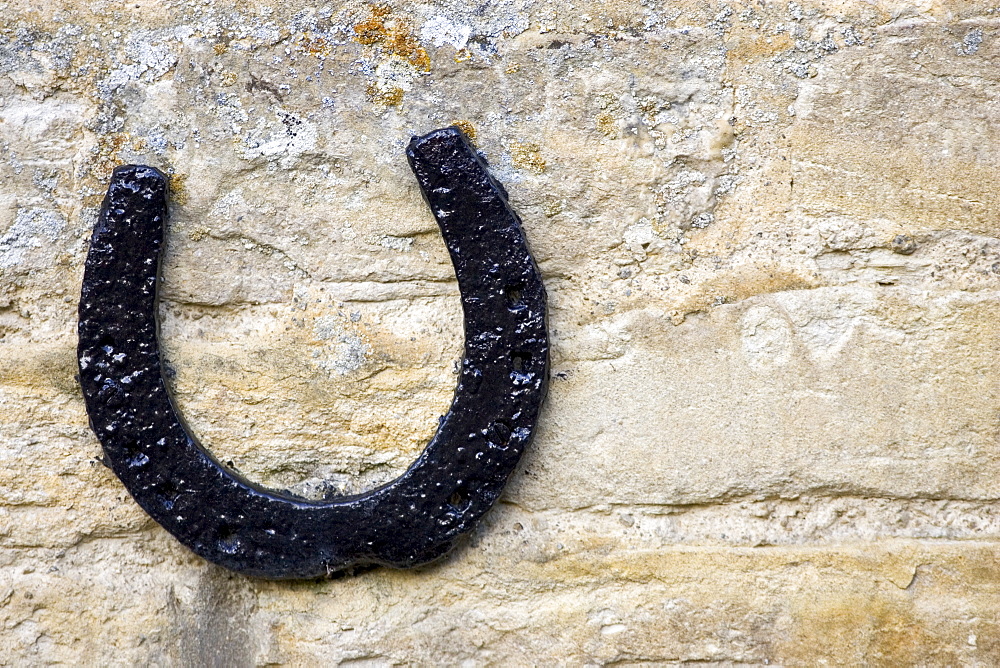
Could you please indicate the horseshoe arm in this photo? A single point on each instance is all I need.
(248, 528)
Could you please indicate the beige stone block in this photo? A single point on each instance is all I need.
(768, 236)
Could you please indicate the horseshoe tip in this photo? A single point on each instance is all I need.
(142, 172)
(129, 181)
(449, 137)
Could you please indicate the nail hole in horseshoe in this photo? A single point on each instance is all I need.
(459, 500)
(167, 494)
(228, 539)
(106, 343)
(499, 434)
(515, 296)
(520, 360)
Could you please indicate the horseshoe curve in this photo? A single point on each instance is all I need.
(260, 532)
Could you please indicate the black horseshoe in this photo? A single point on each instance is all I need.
(248, 528)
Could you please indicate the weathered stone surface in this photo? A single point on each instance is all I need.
(769, 237)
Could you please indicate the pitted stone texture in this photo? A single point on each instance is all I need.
(766, 426)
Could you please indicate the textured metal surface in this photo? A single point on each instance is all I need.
(248, 528)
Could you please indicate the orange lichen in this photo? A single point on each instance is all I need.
(393, 35)
(373, 31)
(315, 45)
(527, 156)
(178, 188)
(107, 154)
(467, 128)
(606, 124)
(387, 97)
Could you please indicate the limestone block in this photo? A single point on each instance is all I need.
(768, 234)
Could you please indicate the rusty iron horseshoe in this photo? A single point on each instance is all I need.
(248, 528)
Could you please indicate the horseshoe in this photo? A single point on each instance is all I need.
(248, 528)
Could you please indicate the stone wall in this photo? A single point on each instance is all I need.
(769, 236)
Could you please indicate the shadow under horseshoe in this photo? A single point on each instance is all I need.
(248, 528)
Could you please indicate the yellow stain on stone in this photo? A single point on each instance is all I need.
(744, 282)
(48, 371)
(856, 629)
(751, 46)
